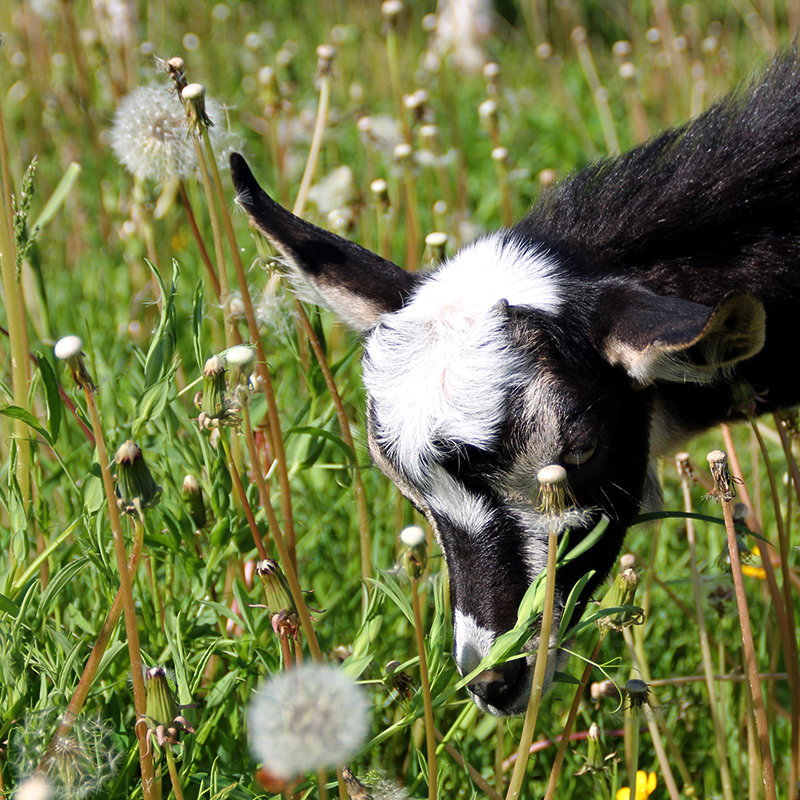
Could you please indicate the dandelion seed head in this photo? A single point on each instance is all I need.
(68, 347)
(312, 717)
(35, 788)
(150, 134)
(75, 765)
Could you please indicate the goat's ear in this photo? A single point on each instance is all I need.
(665, 338)
(353, 282)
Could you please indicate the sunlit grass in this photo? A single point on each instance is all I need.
(137, 265)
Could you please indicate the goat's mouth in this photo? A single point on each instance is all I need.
(504, 690)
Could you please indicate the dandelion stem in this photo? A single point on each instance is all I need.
(718, 470)
(555, 770)
(206, 259)
(523, 751)
(430, 735)
(320, 124)
(705, 649)
(126, 590)
(173, 774)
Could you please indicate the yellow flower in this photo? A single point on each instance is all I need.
(645, 786)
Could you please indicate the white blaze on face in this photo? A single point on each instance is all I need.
(441, 367)
(472, 641)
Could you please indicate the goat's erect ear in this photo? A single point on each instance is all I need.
(665, 338)
(353, 282)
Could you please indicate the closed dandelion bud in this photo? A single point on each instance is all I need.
(136, 489)
(380, 190)
(69, 349)
(276, 588)
(194, 100)
(391, 11)
(192, 496)
(621, 593)
(164, 719)
(552, 494)
(214, 406)
(491, 74)
(415, 551)
(595, 759)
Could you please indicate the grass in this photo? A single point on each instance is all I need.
(114, 259)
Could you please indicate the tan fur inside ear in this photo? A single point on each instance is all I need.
(735, 330)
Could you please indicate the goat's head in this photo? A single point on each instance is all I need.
(485, 371)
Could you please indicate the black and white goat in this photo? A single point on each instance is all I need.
(647, 298)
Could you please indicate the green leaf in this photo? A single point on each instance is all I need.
(53, 401)
(198, 307)
(15, 412)
(56, 200)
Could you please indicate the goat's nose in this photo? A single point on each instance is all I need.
(492, 684)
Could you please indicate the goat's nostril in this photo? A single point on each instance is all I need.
(491, 684)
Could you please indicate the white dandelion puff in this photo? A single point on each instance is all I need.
(75, 764)
(150, 134)
(35, 788)
(310, 718)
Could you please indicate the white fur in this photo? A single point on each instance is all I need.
(472, 641)
(441, 366)
(449, 498)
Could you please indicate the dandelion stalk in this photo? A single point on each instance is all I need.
(723, 758)
(212, 273)
(552, 480)
(415, 560)
(173, 774)
(724, 487)
(126, 589)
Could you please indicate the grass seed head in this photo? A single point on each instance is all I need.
(310, 718)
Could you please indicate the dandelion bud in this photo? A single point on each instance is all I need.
(547, 177)
(603, 689)
(487, 111)
(69, 349)
(192, 496)
(621, 593)
(164, 719)
(579, 35)
(500, 155)
(325, 55)
(380, 190)
(552, 480)
(402, 152)
(215, 408)
(595, 760)
(491, 74)
(391, 11)
(436, 241)
(276, 587)
(415, 551)
(723, 481)
(136, 489)
(240, 358)
(194, 100)
(544, 51)
(416, 102)
(176, 69)
(622, 49)
(627, 70)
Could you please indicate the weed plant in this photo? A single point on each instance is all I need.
(215, 544)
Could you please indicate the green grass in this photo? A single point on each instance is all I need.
(62, 75)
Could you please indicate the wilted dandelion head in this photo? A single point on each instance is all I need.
(150, 134)
(74, 765)
(310, 718)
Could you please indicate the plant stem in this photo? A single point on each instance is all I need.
(129, 608)
(523, 751)
(430, 735)
(173, 774)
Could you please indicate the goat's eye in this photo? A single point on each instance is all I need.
(574, 458)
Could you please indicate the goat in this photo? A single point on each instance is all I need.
(647, 298)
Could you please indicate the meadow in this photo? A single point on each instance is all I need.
(188, 508)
